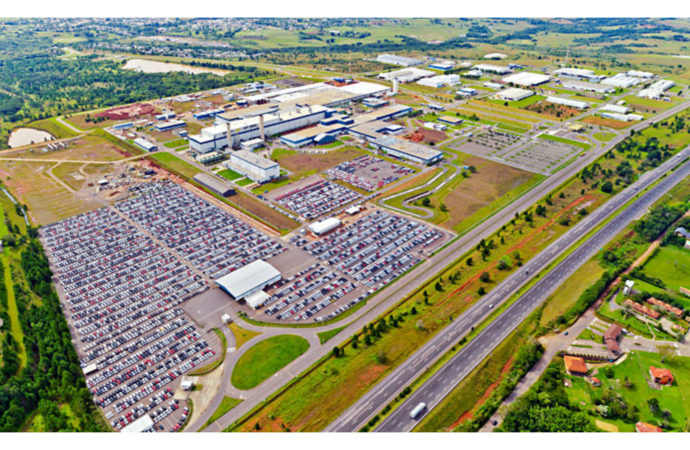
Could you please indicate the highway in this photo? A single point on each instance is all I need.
(443, 381)
(410, 282)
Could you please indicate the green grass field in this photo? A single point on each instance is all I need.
(229, 174)
(635, 368)
(548, 137)
(225, 405)
(244, 182)
(175, 164)
(604, 136)
(266, 358)
(325, 336)
(672, 265)
(176, 143)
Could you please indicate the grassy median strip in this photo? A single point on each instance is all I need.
(266, 358)
(225, 405)
(212, 366)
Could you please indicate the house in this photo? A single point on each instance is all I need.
(611, 339)
(682, 232)
(642, 309)
(575, 365)
(670, 308)
(642, 427)
(596, 382)
(661, 376)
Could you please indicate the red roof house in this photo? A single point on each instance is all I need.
(575, 365)
(661, 376)
(643, 427)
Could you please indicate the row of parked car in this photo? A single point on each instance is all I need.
(317, 199)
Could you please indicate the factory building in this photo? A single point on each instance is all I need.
(146, 145)
(123, 126)
(442, 65)
(492, 85)
(406, 75)
(373, 102)
(450, 120)
(491, 68)
(657, 89)
(254, 167)
(248, 282)
(588, 87)
(404, 149)
(209, 158)
(208, 113)
(514, 94)
(440, 81)
(615, 109)
(527, 79)
(318, 94)
(214, 183)
(621, 80)
(166, 116)
(640, 74)
(252, 144)
(578, 74)
(621, 117)
(495, 56)
(169, 125)
(398, 60)
(567, 102)
(466, 92)
(307, 136)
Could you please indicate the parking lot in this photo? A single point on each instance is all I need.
(316, 199)
(541, 155)
(368, 172)
(121, 294)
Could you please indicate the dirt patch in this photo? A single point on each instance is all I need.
(307, 162)
(558, 112)
(426, 136)
(610, 123)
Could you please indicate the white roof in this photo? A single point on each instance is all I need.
(614, 108)
(492, 68)
(364, 88)
(495, 56)
(254, 159)
(567, 102)
(526, 78)
(143, 423)
(245, 279)
(257, 299)
(515, 93)
(324, 225)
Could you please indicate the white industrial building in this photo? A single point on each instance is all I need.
(407, 75)
(615, 109)
(248, 282)
(495, 56)
(578, 74)
(527, 79)
(324, 226)
(640, 74)
(621, 80)
(398, 60)
(146, 145)
(567, 102)
(492, 68)
(492, 85)
(514, 94)
(141, 425)
(254, 167)
(440, 81)
(657, 89)
(588, 87)
(621, 117)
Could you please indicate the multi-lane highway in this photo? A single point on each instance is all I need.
(410, 282)
(443, 381)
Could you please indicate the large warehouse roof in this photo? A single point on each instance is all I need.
(248, 278)
(526, 78)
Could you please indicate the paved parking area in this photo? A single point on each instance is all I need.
(316, 199)
(368, 172)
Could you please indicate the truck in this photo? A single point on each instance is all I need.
(415, 413)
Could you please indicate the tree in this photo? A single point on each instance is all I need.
(607, 187)
(469, 262)
(481, 290)
(653, 404)
(485, 277)
(336, 352)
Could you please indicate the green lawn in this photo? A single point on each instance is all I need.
(675, 398)
(244, 181)
(174, 164)
(333, 144)
(175, 143)
(604, 136)
(225, 405)
(589, 335)
(229, 174)
(672, 265)
(631, 322)
(325, 336)
(266, 358)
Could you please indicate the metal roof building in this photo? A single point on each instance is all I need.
(526, 79)
(514, 94)
(141, 425)
(406, 75)
(255, 167)
(398, 60)
(319, 228)
(248, 280)
(568, 102)
(214, 183)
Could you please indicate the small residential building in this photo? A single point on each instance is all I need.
(661, 376)
(642, 309)
(255, 167)
(514, 94)
(682, 232)
(627, 288)
(575, 365)
(643, 427)
(611, 337)
(670, 308)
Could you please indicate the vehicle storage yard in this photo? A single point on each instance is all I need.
(368, 172)
(317, 199)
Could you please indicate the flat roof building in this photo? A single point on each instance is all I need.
(404, 149)
(578, 74)
(526, 79)
(450, 120)
(249, 279)
(214, 183)
(514, 94)
(491, 68)
(255, 167)
(495, 56)
(567, 102)
(406, 75)
(615, 109)
(588, 87)
(169, 125)
(439, 81)
(141, 425)
(146, 145)
(621, 80)
(398, 60)
(324, 226)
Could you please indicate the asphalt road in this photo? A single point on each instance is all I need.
(443, 381)
(406, 285)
